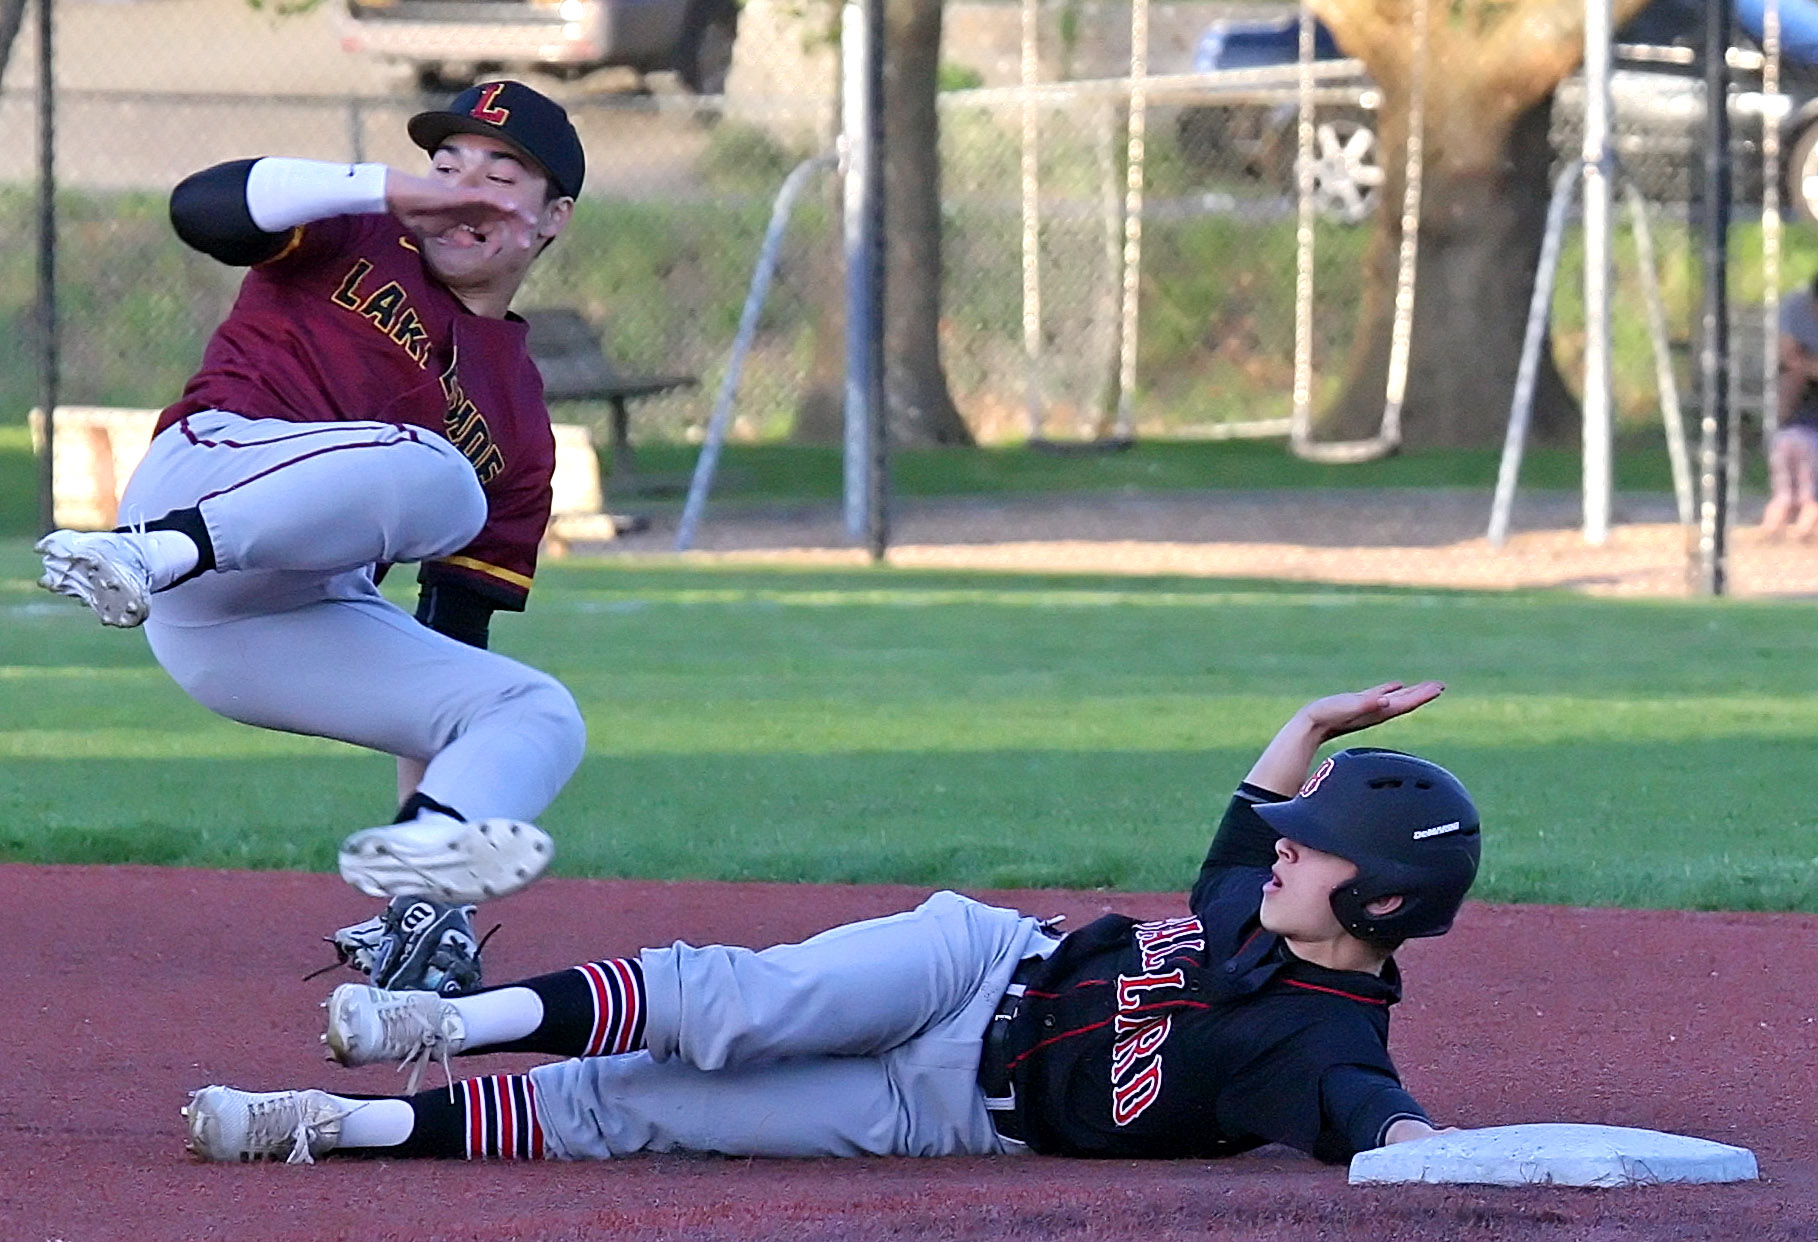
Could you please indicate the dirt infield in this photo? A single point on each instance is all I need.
(1433, 537)
(130, 986)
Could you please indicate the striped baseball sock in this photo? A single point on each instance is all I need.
(592, 1010)
(489, 1118)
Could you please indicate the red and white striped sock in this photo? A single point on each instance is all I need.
(617, 989)
(501, 1121)
(592, 1010)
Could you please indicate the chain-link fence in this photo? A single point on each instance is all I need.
(678, 193)
(1247, 267)
(1048, 329)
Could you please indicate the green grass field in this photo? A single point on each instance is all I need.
(988, 730)
(778, 471)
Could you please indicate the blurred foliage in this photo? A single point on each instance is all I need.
(952, 77)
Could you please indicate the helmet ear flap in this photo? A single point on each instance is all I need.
(1430, 898)
(1352, 909)
(1353, 912)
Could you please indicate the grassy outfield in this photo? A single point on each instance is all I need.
(984, 730)
(780, 471)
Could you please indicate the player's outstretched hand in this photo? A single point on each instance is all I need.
(430, 208)
(1408, 1129)
(1339, 714)
(1283, 764)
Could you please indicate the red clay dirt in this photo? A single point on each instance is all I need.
(130, 986)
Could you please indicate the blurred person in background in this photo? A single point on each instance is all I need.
(1793, 451)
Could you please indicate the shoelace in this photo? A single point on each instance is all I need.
(406, 1025)
(354, 946)
(142, 564)
(270, 1122)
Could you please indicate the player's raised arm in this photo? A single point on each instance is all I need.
(243, 212)
(1283, 765)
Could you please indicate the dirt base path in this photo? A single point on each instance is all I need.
(131, 986)
(1403, 538)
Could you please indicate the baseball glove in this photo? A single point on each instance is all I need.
(414, 945)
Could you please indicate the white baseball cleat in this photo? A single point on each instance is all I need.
(294, 1126)
(446, 859)
(368, 1024)
(104, 570)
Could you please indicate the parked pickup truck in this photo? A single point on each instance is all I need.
(1657, 97)
(448, 44)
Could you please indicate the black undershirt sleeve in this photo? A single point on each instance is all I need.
(456, 610)
(1243, 839)
(208, 210)
(1359, 1104)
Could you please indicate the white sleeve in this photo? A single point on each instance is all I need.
(282, 193)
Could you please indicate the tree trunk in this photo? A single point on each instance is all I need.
(919, 407)
(1491, 66)
(1483, 217)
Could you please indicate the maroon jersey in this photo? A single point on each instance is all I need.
(348, 325)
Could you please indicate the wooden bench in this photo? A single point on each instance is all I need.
(98, 448)
(568, 351)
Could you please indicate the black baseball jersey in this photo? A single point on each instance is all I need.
(1203, 1035)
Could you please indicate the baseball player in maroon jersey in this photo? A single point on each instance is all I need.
(368, 401)
(1259, 1014)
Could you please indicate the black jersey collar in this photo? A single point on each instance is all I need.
(1264, 957)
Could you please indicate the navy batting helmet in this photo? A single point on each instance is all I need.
(1407, 823)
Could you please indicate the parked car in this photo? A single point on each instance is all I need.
(1657, 101)
(1254, 131)
(448, 44)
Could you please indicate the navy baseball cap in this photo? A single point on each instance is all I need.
(529, 120)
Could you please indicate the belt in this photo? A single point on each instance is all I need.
(994, 1059)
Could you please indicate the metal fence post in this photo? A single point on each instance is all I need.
(1714, 335)
(47, 263)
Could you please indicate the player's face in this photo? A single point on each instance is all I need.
(1297, 899)
(495, 253)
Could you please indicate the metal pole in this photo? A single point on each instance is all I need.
(1714, 335)
(1300, 411)
(1597, 272)
(47, 264)
(1108, 307)
(356, 131)
(855, 141)
(1032, 223)
(1540, 305)
(1769, 360)
(877, 494)
(1401, 330)
(708, 462)
(1672, 417)
(1138, 121)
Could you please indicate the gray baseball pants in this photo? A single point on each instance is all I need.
(863, 1040)
(291, 633)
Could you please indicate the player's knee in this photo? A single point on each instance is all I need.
(443, 482)
(547, 707)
